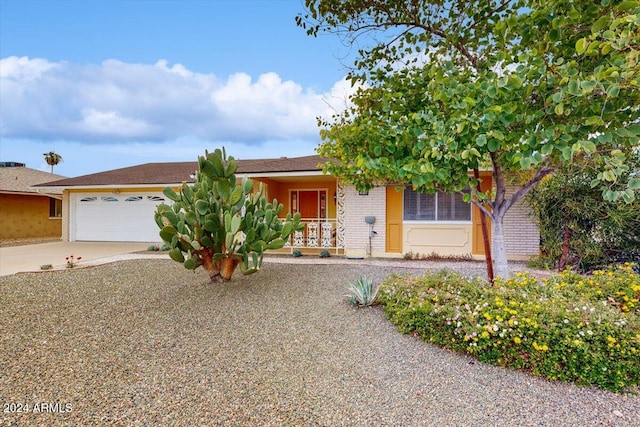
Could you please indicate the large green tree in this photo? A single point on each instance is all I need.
(514, 86)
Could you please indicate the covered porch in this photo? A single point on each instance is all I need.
(320, 201)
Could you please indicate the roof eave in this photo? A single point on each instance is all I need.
(32, 193)
(279, 174)
(121, 186)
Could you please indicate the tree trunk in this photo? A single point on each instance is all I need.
(219, 271)
(485, 234)
(211, 267)
(501, 265)
(564, 258)
(487, 247)
(227, 267)
(501, 205)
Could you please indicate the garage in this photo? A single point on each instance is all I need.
(114, 217)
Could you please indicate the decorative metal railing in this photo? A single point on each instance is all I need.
(317, 234)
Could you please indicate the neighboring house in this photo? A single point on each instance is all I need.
(27, 212)
(118, 205)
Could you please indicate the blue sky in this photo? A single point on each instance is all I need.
(109, 84)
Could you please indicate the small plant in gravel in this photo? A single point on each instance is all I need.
(165, 248)
(569, 327)
(46, 267)
(153, 248)
(72, 261)
(296, 253)
(363, 293)
(325, 254)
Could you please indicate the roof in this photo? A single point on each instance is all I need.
(282, 164)
(21, 179)
(177, 172)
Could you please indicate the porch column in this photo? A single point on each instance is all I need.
(340, 214)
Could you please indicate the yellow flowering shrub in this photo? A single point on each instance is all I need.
(569, 327)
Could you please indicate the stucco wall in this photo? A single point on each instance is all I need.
(443, 239)
(356, 230)
(26, 216)
(282, 192)
(66, 209)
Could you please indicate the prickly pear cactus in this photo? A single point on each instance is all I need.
(218, 223)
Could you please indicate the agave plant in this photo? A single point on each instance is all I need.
(363, 292)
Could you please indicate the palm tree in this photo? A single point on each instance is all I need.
(52, 158)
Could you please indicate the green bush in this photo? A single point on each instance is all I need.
(574, 328)
(325, 254)
(575, 219)
(296, 253)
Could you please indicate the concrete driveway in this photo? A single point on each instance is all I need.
(14, 259)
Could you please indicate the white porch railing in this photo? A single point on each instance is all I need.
(317, 234)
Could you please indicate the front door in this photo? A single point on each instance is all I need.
(478, 240)
(312, 204)
(394, 220)
(308, 204)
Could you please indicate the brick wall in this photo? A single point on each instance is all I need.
(356, 230)
(522, 236)
(521, 232)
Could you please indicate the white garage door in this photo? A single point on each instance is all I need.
(104, 217)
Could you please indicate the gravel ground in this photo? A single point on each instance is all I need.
(147, 343)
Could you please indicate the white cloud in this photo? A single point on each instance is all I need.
(244, 105)
(111, 122)
(117, 102)
(23, 68)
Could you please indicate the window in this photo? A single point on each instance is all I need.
(108, 199)
(55, 208)
(133, 199)
(435, 207)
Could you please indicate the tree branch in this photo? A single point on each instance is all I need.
(483, 208)
(527, 186)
